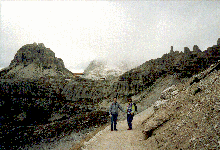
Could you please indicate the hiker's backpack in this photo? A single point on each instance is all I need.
(135, 106)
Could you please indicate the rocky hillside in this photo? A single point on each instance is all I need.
(187, 115)
(32, 110)
(101, 69)
(35, 61)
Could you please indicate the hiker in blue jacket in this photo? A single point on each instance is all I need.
(113, 111)
(130, 113)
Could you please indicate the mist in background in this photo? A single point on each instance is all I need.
(129, 31)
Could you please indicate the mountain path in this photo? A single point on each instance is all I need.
(123, 138)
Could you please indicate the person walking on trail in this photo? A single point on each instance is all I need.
(130, 113)
(113, 111)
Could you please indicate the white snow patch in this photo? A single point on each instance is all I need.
(175, 92)
(169, 89)
(160, 102)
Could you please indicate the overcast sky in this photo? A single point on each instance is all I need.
(133, 31)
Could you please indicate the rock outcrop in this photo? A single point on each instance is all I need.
(171, 50)
(186, 50)
(35, 61)
(196, 49)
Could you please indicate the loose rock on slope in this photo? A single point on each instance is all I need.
(189, 120)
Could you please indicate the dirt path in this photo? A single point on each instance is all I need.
(123, 138)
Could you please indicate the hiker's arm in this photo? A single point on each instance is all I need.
(119, 106)
(110, 109)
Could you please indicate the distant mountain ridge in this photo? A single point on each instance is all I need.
(179, 64)
(35, 61)
(102, 69)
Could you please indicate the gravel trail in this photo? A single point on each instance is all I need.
(122, 139)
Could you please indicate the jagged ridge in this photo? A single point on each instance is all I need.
(180, 64)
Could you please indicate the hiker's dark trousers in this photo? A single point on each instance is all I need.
(114, 120)
(129, 119)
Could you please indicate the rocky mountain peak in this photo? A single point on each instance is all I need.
(35, 60)
(30, 53)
